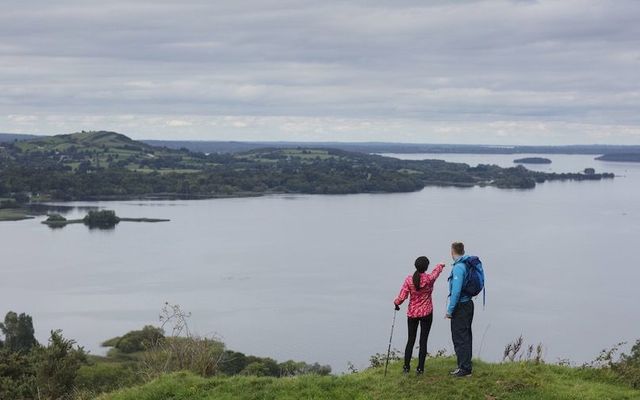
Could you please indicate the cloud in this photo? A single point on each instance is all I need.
(22, 119)
(178, 122)
(351, 70)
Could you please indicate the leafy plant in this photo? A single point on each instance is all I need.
(135, 341)
(56, 366)
(515, 351)
(181, 350)
(17, 376)
(18, 332)
(625, 366)
(379, 359)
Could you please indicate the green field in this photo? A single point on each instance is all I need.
(273, 155)
(489, 382)
(13, 214)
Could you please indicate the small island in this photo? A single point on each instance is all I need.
(620, 157)
(103, 219)
(532, 160)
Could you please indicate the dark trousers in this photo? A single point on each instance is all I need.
(425, 327)
(461, 334)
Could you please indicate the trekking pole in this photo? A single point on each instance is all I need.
(393, 324)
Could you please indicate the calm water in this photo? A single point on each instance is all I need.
(313, 277)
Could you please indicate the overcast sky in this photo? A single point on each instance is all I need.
(511, 72)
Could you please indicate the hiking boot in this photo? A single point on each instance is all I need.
(405, 370)
(461, 373)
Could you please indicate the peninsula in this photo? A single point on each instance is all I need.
(110, 166)
(620, 157)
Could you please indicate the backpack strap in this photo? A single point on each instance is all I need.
(467, 267)
(484, 296)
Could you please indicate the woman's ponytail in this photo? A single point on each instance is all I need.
(422, 263)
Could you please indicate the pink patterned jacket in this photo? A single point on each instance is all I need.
(419, 300)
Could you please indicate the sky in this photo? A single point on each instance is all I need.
(484, 72)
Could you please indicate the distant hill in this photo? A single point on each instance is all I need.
(399, 148)
(620, 157)
(82, 141)
(205, 146)
(11, 137)
(98, 149)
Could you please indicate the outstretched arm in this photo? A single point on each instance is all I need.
(431, 278)
(404, 293)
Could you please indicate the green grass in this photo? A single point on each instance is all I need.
(13, 214)
(489, 381)
(304, 155)
(308, 154)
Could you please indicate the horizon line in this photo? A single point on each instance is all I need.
(505, 146)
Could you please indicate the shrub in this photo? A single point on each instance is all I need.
(293, 368)
(200, 355)
(101, 219)
(181, 350)
(267, 367)
(626, 367)
(56, 366)
(56, 218)
(135, 341)
(515, 351)
(17, 376)
(380, 359)
(232, 362)
(105, 377)
(256, 368)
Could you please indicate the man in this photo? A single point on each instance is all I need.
(460, 310)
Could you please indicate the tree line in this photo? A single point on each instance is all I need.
(193, 175)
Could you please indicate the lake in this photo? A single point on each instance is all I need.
(313, 277)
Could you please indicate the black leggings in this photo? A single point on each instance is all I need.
(425, 327)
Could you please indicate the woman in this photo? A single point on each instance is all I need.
(418, 287)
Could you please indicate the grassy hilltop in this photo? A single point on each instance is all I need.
(151, 364)
(490, 381)
(102, 149)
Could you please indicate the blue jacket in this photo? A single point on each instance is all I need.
(456, 279)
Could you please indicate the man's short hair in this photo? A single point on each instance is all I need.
(458, 248)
